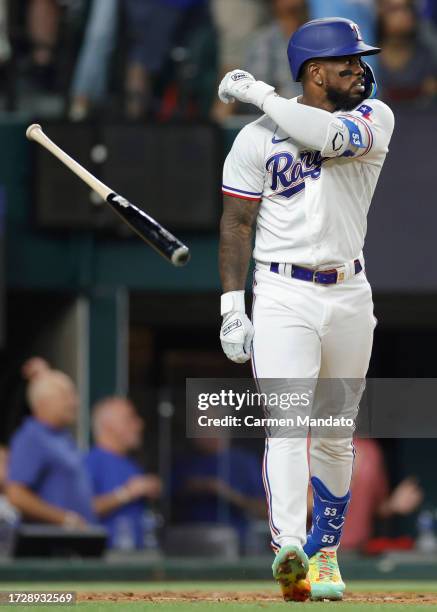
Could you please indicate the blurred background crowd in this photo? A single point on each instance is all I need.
(210, 500)
(162, 59)
(93, 430)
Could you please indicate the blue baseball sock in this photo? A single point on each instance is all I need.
(328, 518)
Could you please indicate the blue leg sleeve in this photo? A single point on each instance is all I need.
(329, 514)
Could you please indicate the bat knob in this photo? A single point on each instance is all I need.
(31, 129)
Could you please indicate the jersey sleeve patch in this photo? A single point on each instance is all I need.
(366, 111)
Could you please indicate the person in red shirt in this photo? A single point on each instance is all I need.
(370, 495)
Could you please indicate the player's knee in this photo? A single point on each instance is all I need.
(332, 449)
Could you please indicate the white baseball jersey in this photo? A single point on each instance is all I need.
(314, 204)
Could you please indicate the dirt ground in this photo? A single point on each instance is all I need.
(229, 596)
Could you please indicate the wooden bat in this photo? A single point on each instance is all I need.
(143, 224)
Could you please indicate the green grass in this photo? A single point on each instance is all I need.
(140, 587)
(245, 587)
(239, 607)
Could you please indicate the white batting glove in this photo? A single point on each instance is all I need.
(236, 333)
(241, 85)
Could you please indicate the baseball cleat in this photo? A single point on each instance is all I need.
(325, 578)
(290, 569)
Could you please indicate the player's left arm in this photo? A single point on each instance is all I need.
(349, 135)
(364, 132)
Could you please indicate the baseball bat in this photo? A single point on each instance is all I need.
(143, 224)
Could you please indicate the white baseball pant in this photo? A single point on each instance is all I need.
(307, 330)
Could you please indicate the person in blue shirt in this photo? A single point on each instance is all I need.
(215, 483)
(120, 486)
(47, 481)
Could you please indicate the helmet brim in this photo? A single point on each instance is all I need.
(358, 48)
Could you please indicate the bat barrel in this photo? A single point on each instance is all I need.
(150, 230)
(181, 256)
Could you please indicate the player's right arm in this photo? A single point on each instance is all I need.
(236, 236)
(243, 183)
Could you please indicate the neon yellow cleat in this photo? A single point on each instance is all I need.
(325, 578)
(290, 569)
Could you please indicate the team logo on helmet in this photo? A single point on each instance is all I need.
(355, 28)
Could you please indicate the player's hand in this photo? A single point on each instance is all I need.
(236, 336)
(236, 333)
(241, 85)
(144, 486)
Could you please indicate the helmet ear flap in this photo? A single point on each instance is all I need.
(371, 86)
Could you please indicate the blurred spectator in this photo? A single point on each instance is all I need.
(363, 12)
(152, 30)
(5, 47)
(119, 484)
(267, 54)
(43, 25)
(408, 66)
(3, 467)
(428, 23)
(429, 10)
(7, 511)
(371, 499)
(34, 366)
(13, 386)
(189, 77)
(217, 484)
(47, 481)
(152, 25)
(236, 21)
(90, 78)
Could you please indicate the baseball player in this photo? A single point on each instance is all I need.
(306, 172)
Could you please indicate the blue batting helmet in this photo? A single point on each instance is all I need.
(331, 37)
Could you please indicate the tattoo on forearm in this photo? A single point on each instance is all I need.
(236, 232)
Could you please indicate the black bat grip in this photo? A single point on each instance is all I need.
(150, 230)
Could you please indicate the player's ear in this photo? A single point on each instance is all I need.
(314, 73)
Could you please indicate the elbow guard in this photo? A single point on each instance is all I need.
(344, 139)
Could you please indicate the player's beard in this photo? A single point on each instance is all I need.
(341, 99)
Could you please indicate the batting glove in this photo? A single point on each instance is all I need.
(241, 85)
(236, 333)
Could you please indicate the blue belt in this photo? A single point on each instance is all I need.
(323, 277)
